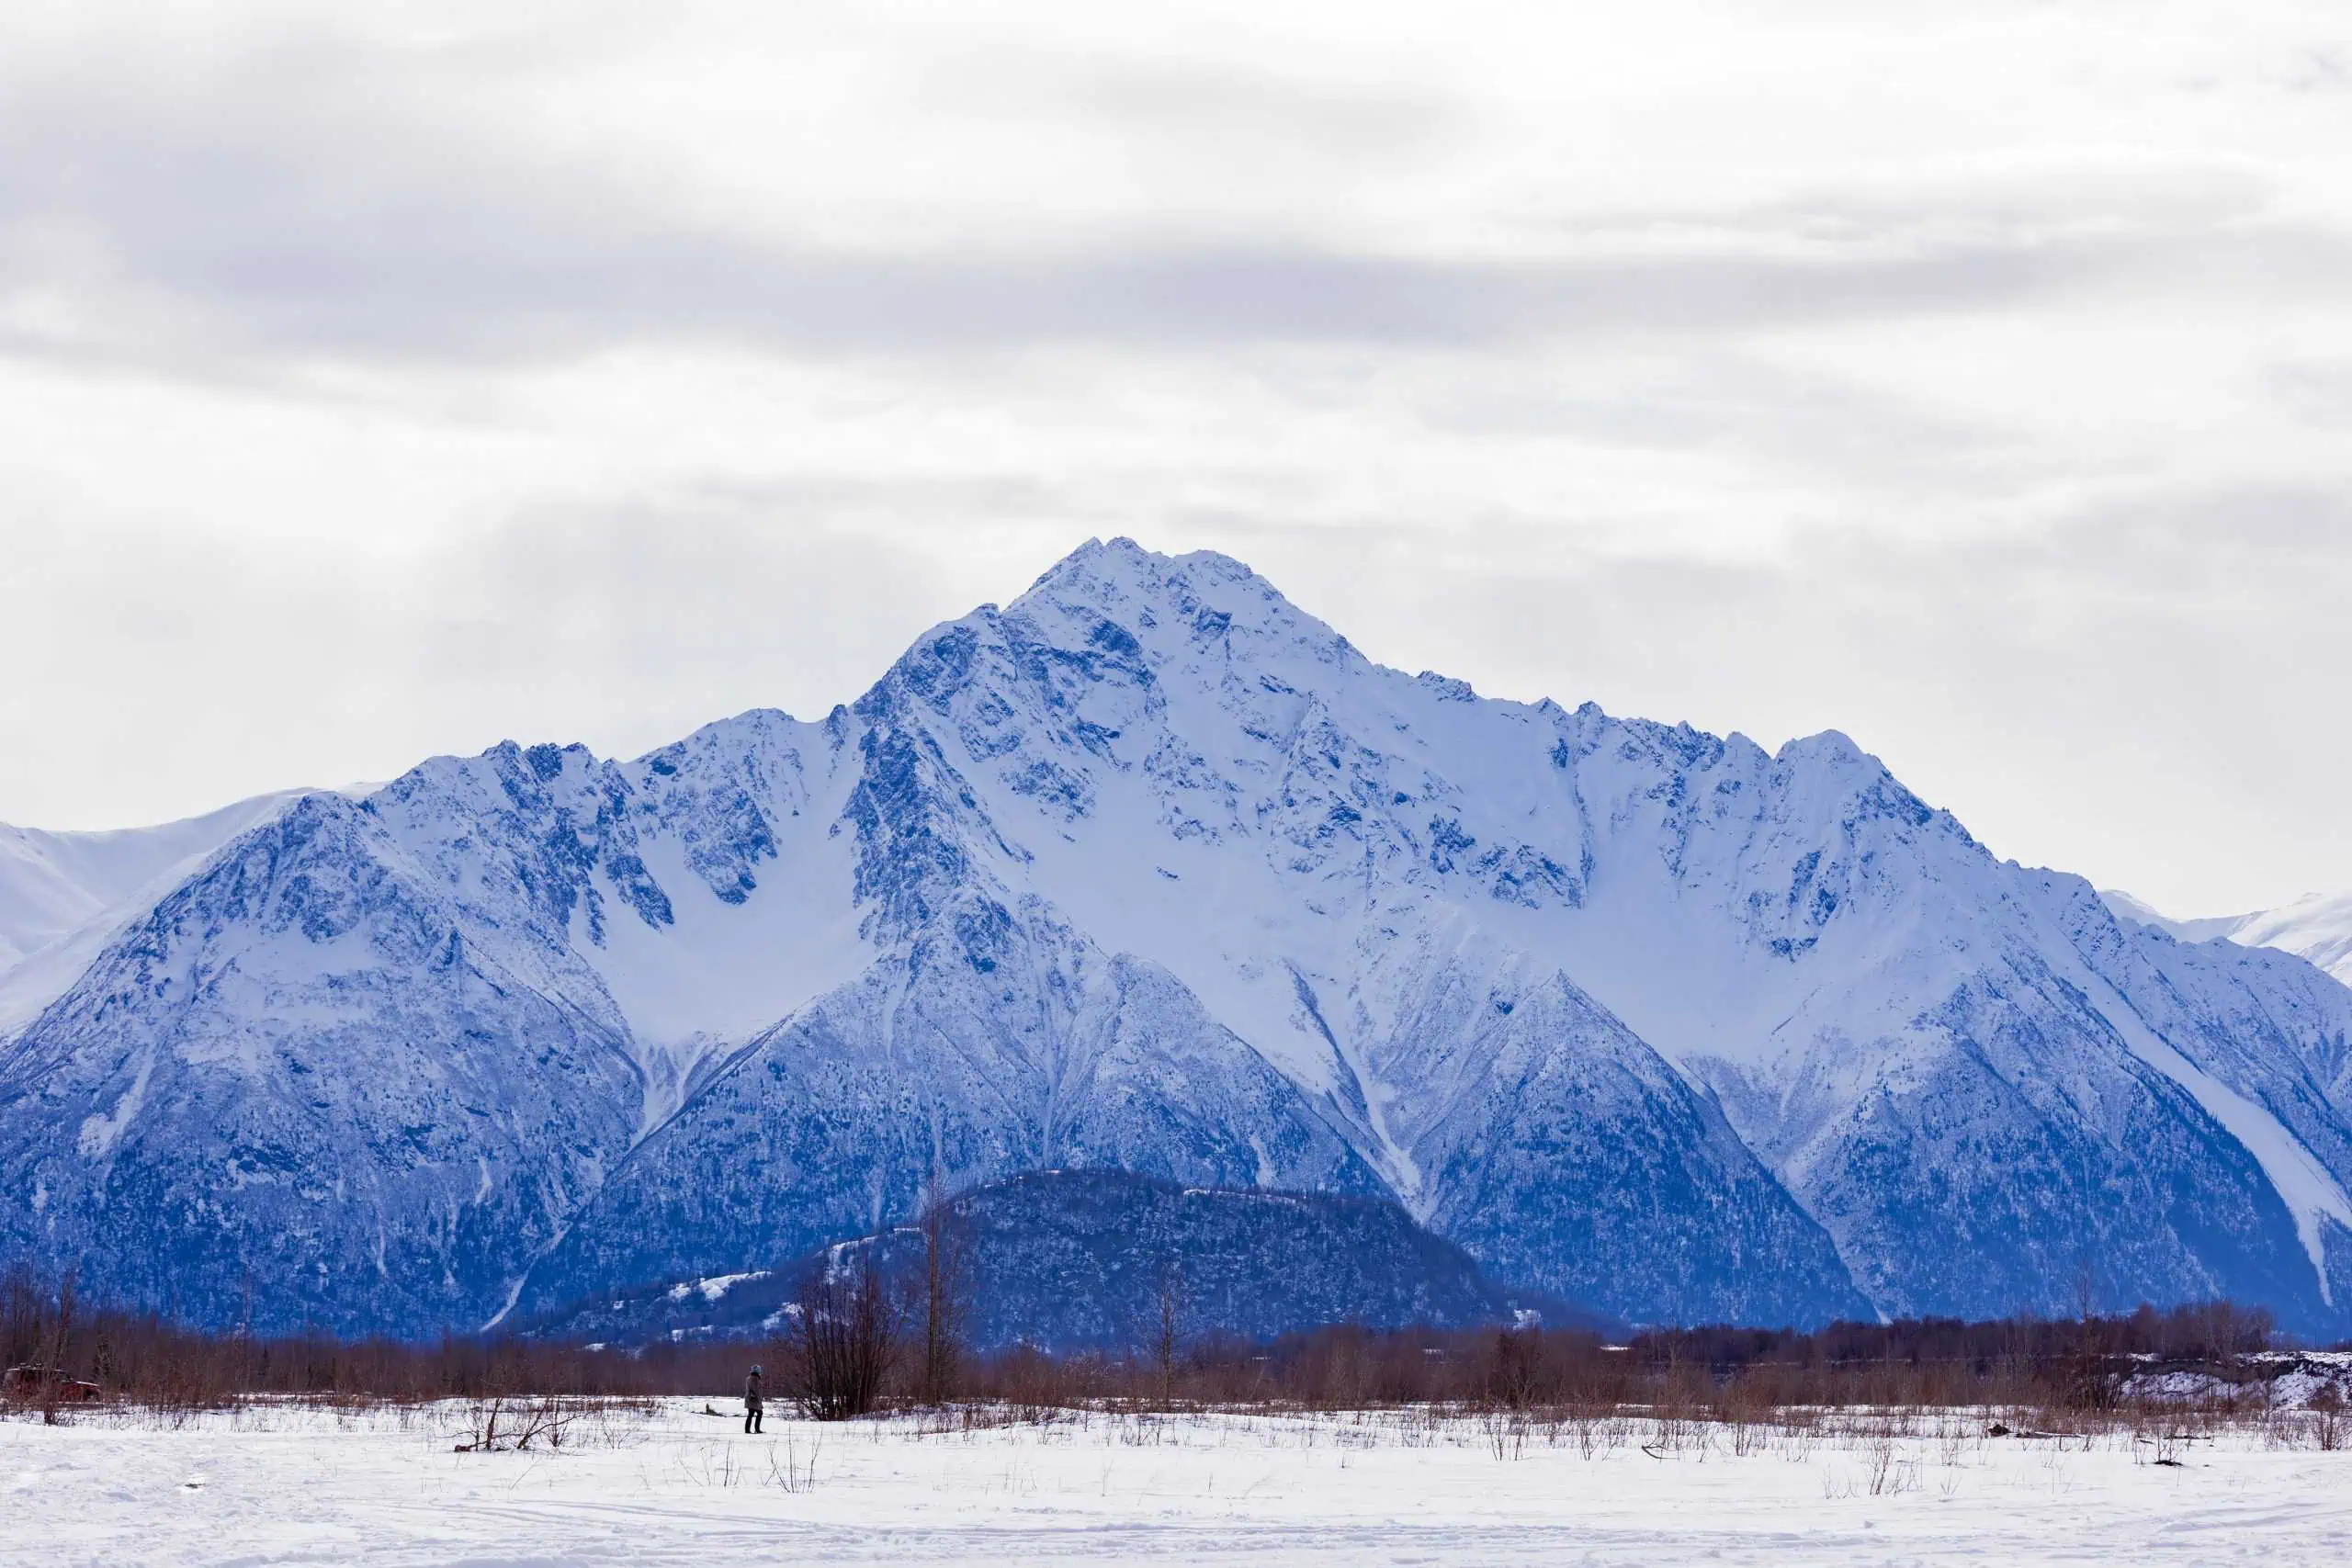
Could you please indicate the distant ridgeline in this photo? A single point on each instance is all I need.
(1080, 1260)
(1151, 872)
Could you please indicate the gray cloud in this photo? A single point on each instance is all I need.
(1222, 109)
(454, 380)
(1713, 398)
(2317, 392)
(315, 202)
(625, 626)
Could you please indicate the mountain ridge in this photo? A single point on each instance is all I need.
(1150, 869)
(2316, 927)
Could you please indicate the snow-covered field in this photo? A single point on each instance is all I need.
(289, 1485)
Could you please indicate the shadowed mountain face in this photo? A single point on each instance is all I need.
(827, 1127)
(1149, 871)
(1090, 1259)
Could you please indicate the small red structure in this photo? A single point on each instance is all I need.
(34, 1385)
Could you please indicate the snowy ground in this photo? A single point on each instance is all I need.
(286, 1485)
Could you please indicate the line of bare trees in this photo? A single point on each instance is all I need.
(850, 1341)
(853, 1341)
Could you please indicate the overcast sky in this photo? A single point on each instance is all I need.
(1979, 385)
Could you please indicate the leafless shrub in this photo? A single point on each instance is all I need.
(1886, 1470)
(1506, 1430)
(844, 1340)
(520, 1422)
(2326, 1425)
(1036, 1388)
(721, 1469)
(1514, 1369)
(1742, 1412)
(787, 1470)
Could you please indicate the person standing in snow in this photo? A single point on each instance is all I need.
(751, 1402)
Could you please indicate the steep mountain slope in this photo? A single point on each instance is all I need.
(360, 1058)
(297, 1089)
(1149, 870)
(1573, 1155)
(997, 1043)
(63, 895)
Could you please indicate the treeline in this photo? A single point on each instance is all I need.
(849, 1347)
(58, 1348)
(1916, 1362)
(2207, 1332)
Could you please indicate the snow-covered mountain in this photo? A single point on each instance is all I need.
(2314, 927)
(63, 894)
(1151, 870)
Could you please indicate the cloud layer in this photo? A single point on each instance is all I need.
(1977, 387)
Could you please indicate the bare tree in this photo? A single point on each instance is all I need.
(844, 1340)
(1168, 1332)
(1514, 1368)
(52, 1358)
(945, 1297)
(2092, 1387)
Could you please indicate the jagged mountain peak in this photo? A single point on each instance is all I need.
(1150, 869)
(1830, 747)
(1121, 568)
(1167, 601)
